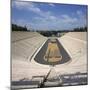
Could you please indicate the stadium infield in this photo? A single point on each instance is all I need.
(58, 50)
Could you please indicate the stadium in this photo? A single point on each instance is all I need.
(48, 44)
(39, 61)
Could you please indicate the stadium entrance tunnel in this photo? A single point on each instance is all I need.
(52, 53)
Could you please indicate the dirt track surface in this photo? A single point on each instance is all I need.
(41, 54)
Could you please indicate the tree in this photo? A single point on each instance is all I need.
(18, 28)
